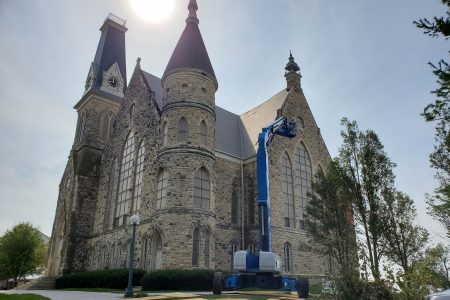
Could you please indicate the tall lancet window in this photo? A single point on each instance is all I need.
(207, 246)
(287, 257)
(125, 182)
(165, 131)
(303, 173)
(106, 126)
(138, 178)
(161, 189)
(288, 191)
(201, 189)
(195, 247)
(202, 134)
(81, 126)
(182, 131)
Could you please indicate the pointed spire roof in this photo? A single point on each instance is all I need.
(190, 51)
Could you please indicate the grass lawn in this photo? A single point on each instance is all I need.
(22, 297)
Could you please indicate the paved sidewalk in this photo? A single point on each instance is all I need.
(68, 295)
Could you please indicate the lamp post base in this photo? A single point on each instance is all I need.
(129, 292)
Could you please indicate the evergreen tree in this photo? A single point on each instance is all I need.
(439, 111)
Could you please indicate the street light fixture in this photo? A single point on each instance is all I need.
(134, 221)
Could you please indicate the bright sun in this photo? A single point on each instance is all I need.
(153, 10)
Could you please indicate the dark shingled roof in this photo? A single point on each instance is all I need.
(190, 52)
(155, 86)
(235, 135)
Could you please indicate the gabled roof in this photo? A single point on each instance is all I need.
(257, 118)
(235, 135)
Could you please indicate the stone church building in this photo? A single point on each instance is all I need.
(162, 149)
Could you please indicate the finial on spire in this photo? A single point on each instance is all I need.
(292, 74)
(292, 65)
(192, 7)
(138, 62)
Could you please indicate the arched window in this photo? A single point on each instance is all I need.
(202, 134)
(234, 248)
(251, 206)
(201, 189)
(144, 256)
(165, 131)
(112, 194)
(161, 189)
(207, 245)
(303, 175)
(125, 182)
(195, 247)
(234, 208)
(138, 178)
(106, 126)
(288, 191)
(157, 251)
(287, 257)
(81, 126)
(182, 131)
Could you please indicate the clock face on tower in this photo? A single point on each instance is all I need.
(113, 81)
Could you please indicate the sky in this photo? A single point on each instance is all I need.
(364, 60)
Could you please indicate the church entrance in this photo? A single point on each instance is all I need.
(157, 252)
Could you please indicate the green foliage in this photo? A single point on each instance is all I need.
(368, 175)
(187, 280)
(331, 228)
(439, 203)
(22, 297)
(115, 279)
(405, 241)
(21, 251)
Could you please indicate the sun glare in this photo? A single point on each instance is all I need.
(153, 10)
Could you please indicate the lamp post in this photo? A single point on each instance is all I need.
(134, 221)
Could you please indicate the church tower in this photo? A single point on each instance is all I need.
(186, 156)
(104, 91)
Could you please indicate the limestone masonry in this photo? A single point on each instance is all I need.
(162, 149)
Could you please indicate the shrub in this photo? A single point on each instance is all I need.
(114, 279)
(187, 280)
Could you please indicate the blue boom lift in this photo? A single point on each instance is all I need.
(263, 270)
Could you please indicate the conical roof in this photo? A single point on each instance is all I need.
(190, 51)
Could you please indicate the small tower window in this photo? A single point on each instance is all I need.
(201, 189)
(81, 127)
(202, 134)
(195, 247)
(182, 131)
(161, 189)
(165, 131)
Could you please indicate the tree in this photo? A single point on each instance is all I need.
(330, 225)
(21, 251)
(405, 241)
(439, 111)
(368, 175)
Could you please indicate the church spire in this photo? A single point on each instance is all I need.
(190, 52)
(292, 73)
(108, 70)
